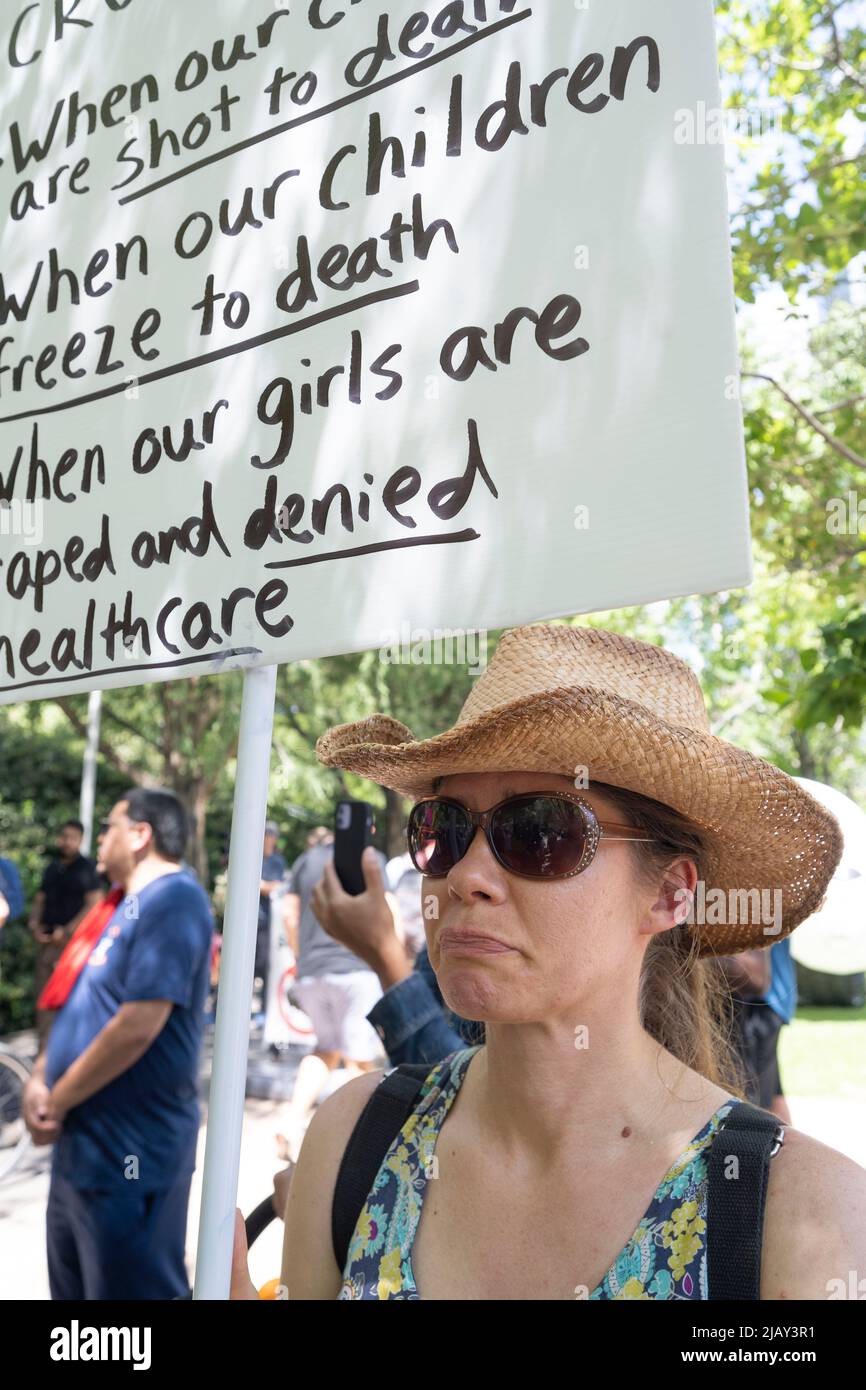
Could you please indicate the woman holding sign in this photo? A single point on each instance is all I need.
(595, 1145)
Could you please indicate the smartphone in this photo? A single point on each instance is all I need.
(354, 829)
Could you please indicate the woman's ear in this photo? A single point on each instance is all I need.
(675, 896)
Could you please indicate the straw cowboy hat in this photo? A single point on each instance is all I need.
(557, 698)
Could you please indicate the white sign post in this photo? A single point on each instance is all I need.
(329, 318)
(232, 1035)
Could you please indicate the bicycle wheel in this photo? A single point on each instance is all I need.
(14, 1138)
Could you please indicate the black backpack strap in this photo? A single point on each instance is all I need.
(735, 1204)
(382, 1118)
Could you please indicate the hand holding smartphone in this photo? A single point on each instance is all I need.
(354, 829)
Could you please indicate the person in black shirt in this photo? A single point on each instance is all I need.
(70, 887)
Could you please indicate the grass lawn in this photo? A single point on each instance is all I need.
(823, 1053)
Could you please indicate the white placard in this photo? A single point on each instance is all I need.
(325, 319)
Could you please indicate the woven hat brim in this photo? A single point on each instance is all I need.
(763, 832)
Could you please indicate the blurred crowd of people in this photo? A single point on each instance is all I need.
(127, 958)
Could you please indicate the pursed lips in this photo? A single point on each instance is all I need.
(473, 943)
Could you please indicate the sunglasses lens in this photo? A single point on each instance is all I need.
(539, 836)
(439, 836)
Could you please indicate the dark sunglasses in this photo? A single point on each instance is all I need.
(535, 835)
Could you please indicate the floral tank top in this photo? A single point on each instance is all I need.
(665, 1258)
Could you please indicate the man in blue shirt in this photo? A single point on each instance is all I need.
(116, 1090)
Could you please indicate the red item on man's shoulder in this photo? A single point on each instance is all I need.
(77, 951)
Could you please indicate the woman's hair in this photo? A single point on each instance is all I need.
(684, 998)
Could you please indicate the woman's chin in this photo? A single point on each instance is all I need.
(468, 991)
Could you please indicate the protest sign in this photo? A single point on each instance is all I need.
(321, 318)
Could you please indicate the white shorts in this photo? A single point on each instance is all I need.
(337, 1006)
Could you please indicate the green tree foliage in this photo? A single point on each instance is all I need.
(176, 734)
(39, 789)
(801, 224)
(801, 63)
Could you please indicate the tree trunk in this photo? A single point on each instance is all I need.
(193, 792)
(395, 821)
(198, 853)
(805, 756)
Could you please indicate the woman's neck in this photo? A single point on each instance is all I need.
(540, 1090)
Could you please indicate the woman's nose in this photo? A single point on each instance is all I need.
(478, 873)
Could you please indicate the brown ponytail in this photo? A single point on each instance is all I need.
(684, 998)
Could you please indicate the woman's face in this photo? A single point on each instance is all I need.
(561, 941)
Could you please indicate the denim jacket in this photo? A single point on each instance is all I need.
(414, 1022)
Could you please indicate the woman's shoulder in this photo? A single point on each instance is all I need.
(336, 1117)
(814, 1221)
(309, 1265)
(309, 1268)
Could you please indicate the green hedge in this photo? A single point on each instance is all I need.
(40, 786)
